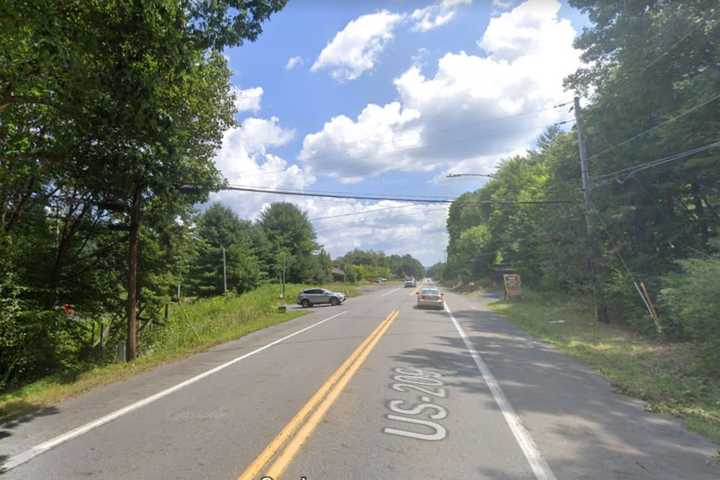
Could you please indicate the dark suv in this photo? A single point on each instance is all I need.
(316, 296)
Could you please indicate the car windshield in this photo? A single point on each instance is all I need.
(429, 291)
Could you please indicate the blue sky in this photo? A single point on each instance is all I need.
(387, 98)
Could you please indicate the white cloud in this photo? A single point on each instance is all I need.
(502, 4)
(356, 48)
(293, 62)
(248, 100)
(435, 15)
(246, 159)
(473, 111)
(380, 140)
(393, 227)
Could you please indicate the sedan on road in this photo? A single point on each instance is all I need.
(430, 297)
(318, 296)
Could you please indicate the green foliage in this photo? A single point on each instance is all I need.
(288, 229)
(652, 71)
(437, 271)
(220, 228)
(370, 265)
(690, 299)
(104, 107)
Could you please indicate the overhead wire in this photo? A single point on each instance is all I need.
(624, 174)
(409, 199)
(655, 127)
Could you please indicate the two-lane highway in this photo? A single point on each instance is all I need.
(374, 388)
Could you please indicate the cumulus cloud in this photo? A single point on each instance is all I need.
(356, 48)
(293, 62)
(473, 111)
(502, 4)
(245, 159)
(436, 15)
(387, 226)
(379, 140)
(247, 100)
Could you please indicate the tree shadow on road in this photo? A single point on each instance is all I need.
(18, 412)
(584, 429)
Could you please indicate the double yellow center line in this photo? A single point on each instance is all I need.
(301, 426)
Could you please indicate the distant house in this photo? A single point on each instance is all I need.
(338, 274)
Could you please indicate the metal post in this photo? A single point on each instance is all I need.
(600, 310)
(224, 272)
(284, 275)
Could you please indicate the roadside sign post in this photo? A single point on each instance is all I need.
(513, 285)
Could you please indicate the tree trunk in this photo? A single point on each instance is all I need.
(133, 254)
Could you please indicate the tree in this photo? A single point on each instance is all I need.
(136, 85)
(220, 228)
(288, 228)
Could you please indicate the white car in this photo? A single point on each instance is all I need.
(430, 297)
(410, 283)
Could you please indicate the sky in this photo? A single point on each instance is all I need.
(388, 98)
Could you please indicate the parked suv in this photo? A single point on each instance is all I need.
(316, 296)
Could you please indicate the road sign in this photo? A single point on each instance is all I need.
(513, 285)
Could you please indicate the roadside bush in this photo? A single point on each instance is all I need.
(690, 298)
(625, 303)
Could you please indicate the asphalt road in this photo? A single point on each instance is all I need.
(374, 388)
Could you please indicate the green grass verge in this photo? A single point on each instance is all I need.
(192, 327)
(668, 376)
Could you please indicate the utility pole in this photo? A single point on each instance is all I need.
(600, 308)
(224, 272)
(133, 256)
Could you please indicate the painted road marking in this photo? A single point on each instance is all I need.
(391, 291)
(539, 466)
(417, 379)
(43, 447)
(323, 400)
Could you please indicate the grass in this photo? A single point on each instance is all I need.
(670, 377)
(191, 328)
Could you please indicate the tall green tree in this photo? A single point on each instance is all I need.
(220, 228)
(110, 107)
(287, 228)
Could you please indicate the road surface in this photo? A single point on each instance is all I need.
(374, 388)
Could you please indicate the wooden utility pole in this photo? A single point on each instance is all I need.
(600, 308)
(133, 260)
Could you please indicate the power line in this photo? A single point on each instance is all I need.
(630, 171)
(655, 127)
(337, 195)
(690, 31)
(378, 197)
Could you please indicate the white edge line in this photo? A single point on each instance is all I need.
(391, 291)
(539, 466)
(27, 455)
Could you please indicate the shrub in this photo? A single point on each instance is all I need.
(624, 302)
(691, 297)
